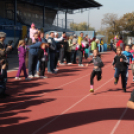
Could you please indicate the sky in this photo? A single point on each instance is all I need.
(118, 7)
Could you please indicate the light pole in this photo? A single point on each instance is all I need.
(114, 27)
(88, 20)
(114, 30)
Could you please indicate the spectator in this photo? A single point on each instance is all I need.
(33, 30)
(94, 44)
(120, 44)
(130, 42)
(52, 52)
(22, 56)
(43, 40)
(101, 45)
(73, 49)
(42, 56)
(62, 49)
(59, 46)
(3, 59)
(33, 59)
(80, 51)
(3, 76)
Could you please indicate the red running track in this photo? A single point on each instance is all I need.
(63, 104)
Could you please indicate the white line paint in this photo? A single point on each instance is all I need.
(35, 132)
(118, 122)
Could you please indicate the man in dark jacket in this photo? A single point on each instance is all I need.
(52, 51)
(3, 59)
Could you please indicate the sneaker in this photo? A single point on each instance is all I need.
(124, 89)
(17, 78)
(27, 79)
(80, 65)
(30, 76)
(54, 72)
(69, 63)
(92, 90)
(43, 77)
(36, 76)
(49, 72)
(115, 82)
(61, 64)
(56, 69)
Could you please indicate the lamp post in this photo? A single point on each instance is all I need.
(114, 27)
(88, 20)
(114, 30)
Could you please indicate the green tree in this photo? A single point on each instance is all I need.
(81, 27)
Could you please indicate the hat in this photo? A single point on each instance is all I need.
(2, 34)
(32, 25)
(75, 35)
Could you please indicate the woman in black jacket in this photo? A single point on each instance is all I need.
(42, 56)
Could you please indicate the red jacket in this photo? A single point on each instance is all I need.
(118, 43)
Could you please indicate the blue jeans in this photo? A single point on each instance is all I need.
(101, 48)
(52, 61)
(123, 76)
(73, 56)
(33, 59)
(38, 66)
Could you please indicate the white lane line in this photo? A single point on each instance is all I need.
(35, 132)
(118, 122)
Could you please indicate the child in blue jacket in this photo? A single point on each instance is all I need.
(129, 57)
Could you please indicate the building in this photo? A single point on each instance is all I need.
(15, 13)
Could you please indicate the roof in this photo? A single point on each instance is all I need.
(65, 5)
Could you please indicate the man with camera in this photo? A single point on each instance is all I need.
(3, 63)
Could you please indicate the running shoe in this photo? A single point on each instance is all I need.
(61, 64)
(92, 90)
(43, 77)
(69, 63)
(124, 89)
(100, 79)
(27, 79)
(115, 82)
(17, 78)
(36, 76)
(30, 76)
(80, 65)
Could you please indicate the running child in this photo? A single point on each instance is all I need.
(120, 64)
(42, 56)
(129, 56)
(22, 56)
(98, 64)
(132, 65)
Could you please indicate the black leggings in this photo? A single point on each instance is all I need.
(95, 73)
(56, 59)
(123, 78)
(42, 68)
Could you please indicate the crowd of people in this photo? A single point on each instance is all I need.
(41, 51)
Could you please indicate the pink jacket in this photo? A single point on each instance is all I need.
(32, 32)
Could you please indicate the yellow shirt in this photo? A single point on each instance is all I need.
(101, 43)
(80, 40)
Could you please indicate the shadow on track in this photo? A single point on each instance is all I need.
(69, 121)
